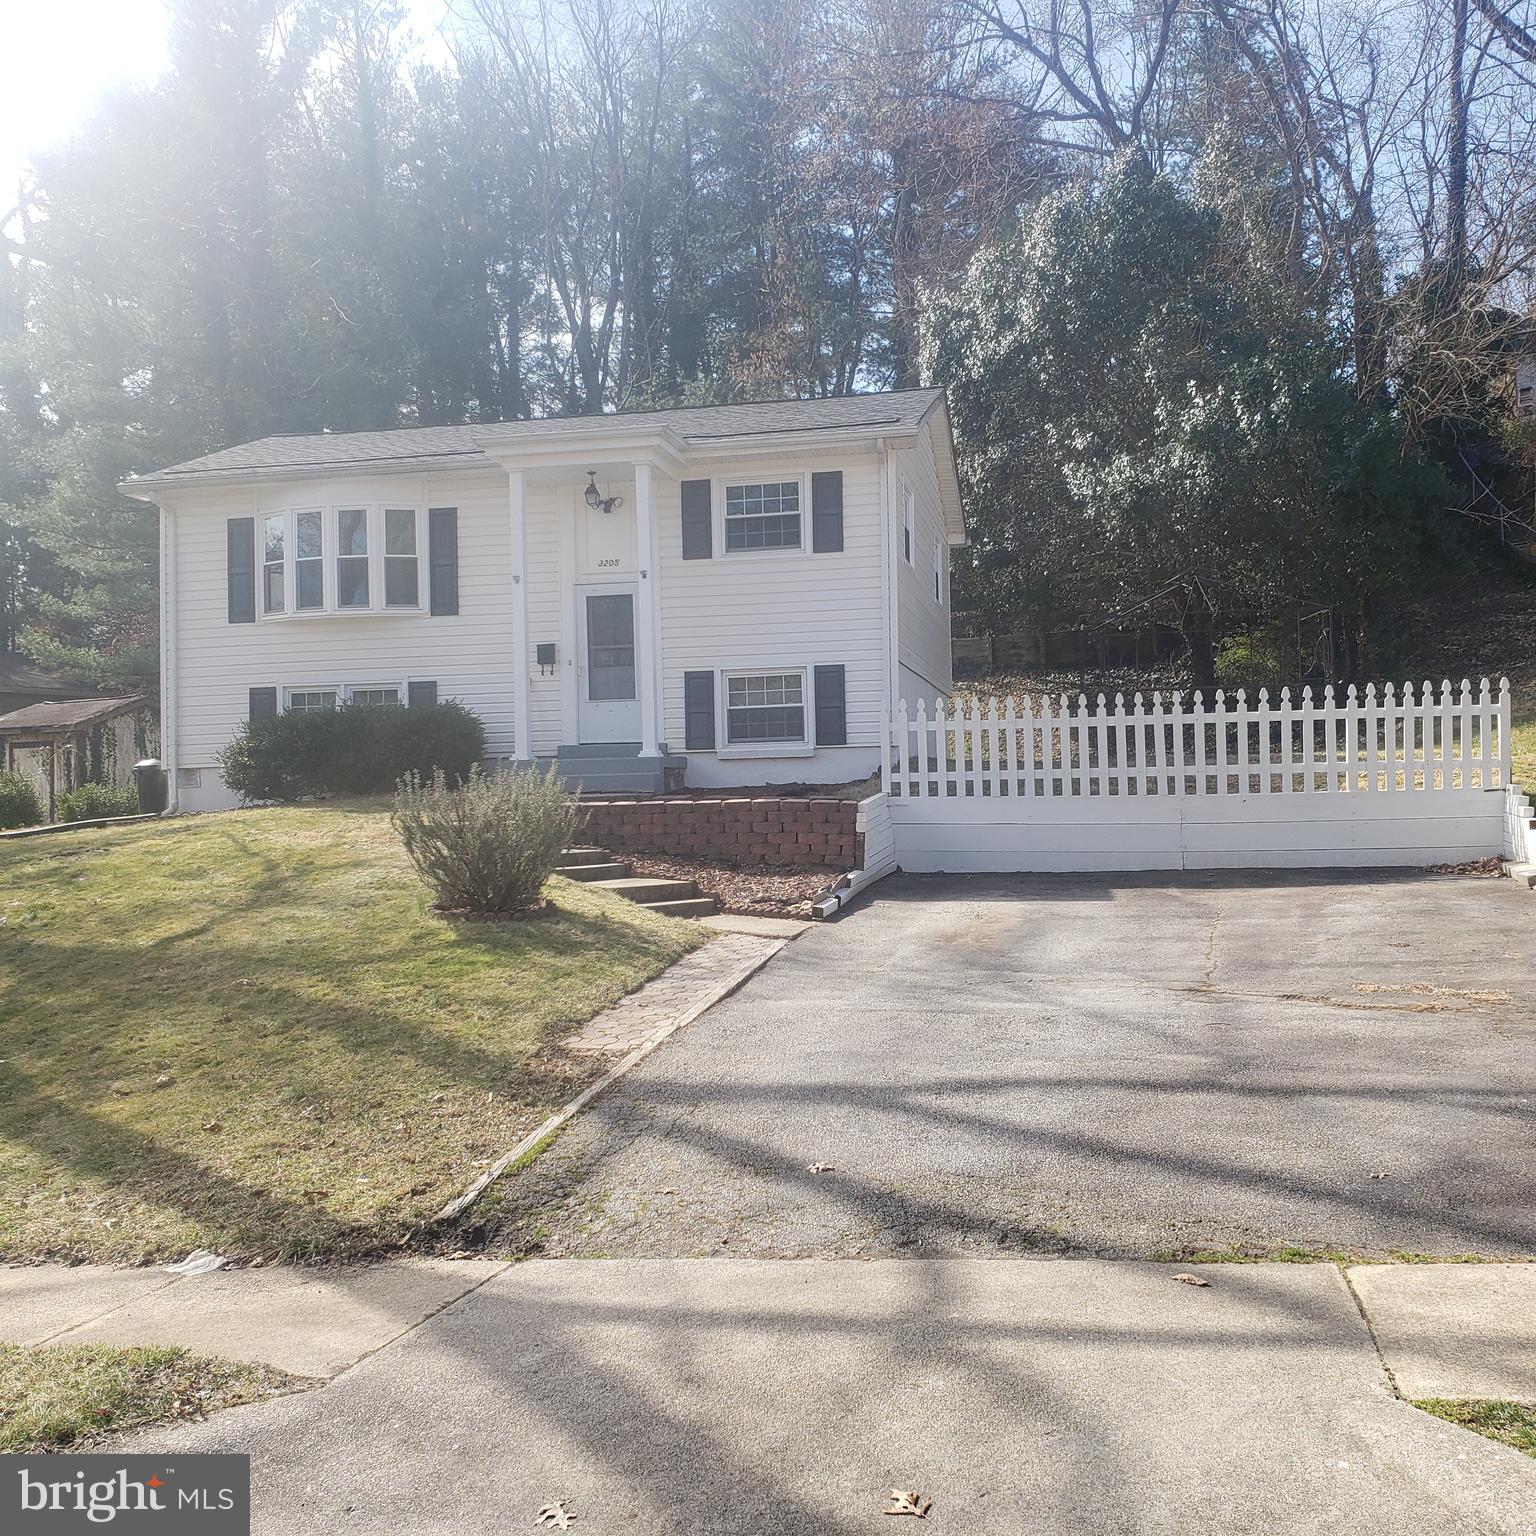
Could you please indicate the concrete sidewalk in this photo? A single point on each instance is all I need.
(313, 1322)
(748, 1396)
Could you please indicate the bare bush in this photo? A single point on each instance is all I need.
(485, 846)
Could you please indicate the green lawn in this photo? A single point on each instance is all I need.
(247, 1032)
(54, 1397)
(1511, 1424)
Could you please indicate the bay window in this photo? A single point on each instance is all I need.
(342, 559)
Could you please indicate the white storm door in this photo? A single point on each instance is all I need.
(608, 698)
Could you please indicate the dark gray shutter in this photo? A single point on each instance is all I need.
(443, 559)
(420, 695)
(263, 703)
(699, 711)
(831, 708)
(698, 531)
(242, 570)
(826, 511)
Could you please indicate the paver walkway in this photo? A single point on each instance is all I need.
(704, 974)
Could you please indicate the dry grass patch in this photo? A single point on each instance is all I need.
(54, 1397)
(247, 1032)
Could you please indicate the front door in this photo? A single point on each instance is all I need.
(608, 707)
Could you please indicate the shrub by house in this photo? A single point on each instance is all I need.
(356, 750)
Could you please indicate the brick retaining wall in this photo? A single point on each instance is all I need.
(732, 831)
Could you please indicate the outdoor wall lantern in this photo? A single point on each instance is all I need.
(595, 499)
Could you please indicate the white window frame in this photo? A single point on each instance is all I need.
(938, 568)
(286, 694)
(725, 747)
(908, 526)
(717, 492)
(330, 516)
(343, 692)
(400, 691)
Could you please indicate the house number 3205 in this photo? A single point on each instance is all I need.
(604, 565)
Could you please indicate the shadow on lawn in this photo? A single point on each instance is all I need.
(299, 1020)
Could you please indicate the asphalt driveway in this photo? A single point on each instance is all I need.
(1120, 1065)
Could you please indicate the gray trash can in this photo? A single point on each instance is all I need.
(150, 782)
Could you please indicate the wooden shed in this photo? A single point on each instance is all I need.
(70, 742)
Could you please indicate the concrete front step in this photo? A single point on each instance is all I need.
(598, 749)
(599, 869)
(569, 856)
(686, 906)
(646, 891)
(592, 873)
(1524, 873)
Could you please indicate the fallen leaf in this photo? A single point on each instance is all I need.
(821, 1168)
(213, 1125)
(906, 1501)
(1381, 1175)
(1191, 1279)
(556, 1515)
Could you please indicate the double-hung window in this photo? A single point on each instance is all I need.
(308, 560)
(388, 694)
(938, 569)
(352, 557)
(764, 706)
(311, 701)
(762, 515)
(274, 538)
(402, 580)
(908, 503)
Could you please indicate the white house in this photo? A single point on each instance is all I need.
(732, 591)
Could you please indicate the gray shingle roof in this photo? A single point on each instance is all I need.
(458, 446)
(68, 714)
(18, 675)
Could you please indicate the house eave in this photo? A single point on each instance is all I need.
(153, 488)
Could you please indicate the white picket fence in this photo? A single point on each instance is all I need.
(1411, 777)
(1375, 742)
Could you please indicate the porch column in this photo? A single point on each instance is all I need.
(521, 736)
(647, 609)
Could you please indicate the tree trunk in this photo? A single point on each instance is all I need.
(1200, 643)
(1456, 157)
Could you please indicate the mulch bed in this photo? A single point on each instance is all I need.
(755, 890)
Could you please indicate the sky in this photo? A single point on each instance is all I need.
(57, 56)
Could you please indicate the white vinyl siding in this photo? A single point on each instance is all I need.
(774, 613)
(469, 655)
(922, 584)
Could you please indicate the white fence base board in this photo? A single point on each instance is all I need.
(1226, 832)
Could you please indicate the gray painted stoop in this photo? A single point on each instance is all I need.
(616, 767)
(598, 867)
